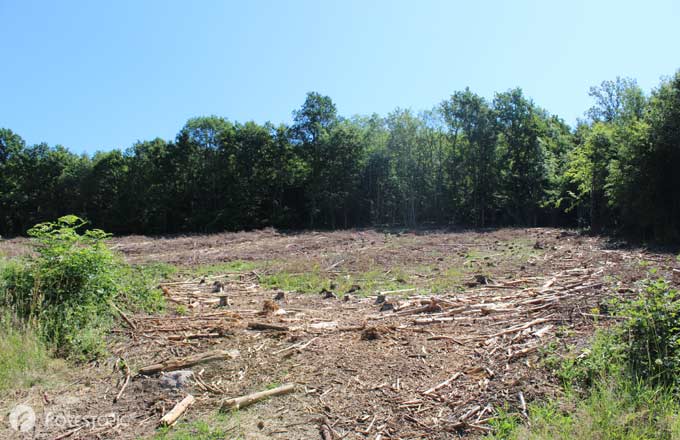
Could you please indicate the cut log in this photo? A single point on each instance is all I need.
(176, 364)
(265, 326)
(247, 400)
(176, 412)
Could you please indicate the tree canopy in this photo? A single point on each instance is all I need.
(468, 162)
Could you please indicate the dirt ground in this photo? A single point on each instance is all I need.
(461, 331)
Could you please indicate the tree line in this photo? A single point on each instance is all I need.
(468, 162)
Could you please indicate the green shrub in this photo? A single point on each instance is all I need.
(67, 287)
(652, 334)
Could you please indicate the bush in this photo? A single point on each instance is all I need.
(652, 335)
(67, 288)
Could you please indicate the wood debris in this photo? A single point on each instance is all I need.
(249, 399)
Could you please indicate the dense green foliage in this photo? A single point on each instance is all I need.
(651, 335)
(68, 289)
(467, 162)
(624, 386)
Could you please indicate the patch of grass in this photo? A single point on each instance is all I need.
(449, 280)
(314, 280)
(224, 267)
(617, 410)
(216, 426)
(24, 358)
(306, 282)
(272, 385)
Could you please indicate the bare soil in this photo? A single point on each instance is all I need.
(425, 366)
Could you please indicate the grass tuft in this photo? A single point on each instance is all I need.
(24, 358)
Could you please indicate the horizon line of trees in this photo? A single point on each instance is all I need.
(468, 162)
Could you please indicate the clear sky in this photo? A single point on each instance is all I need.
(95, 75)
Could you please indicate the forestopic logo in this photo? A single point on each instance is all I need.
(22, 418)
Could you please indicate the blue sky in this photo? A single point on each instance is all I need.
(100, 75)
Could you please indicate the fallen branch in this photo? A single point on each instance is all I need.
(522, 327)
(447, 338)
(249, 399)
(524, 405)
(125, 383)
(522, 352)
(69, 433)
(334, 265)
(432, 320)
(431, 307)
(124, 316)
(298, 346)
(326, 433)
(194, 336)
(443, 384)
(176, 364)
(176, 412)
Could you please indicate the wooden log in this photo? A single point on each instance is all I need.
(178, 363)
(249, 399)
(176, 412)
(265, 326)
